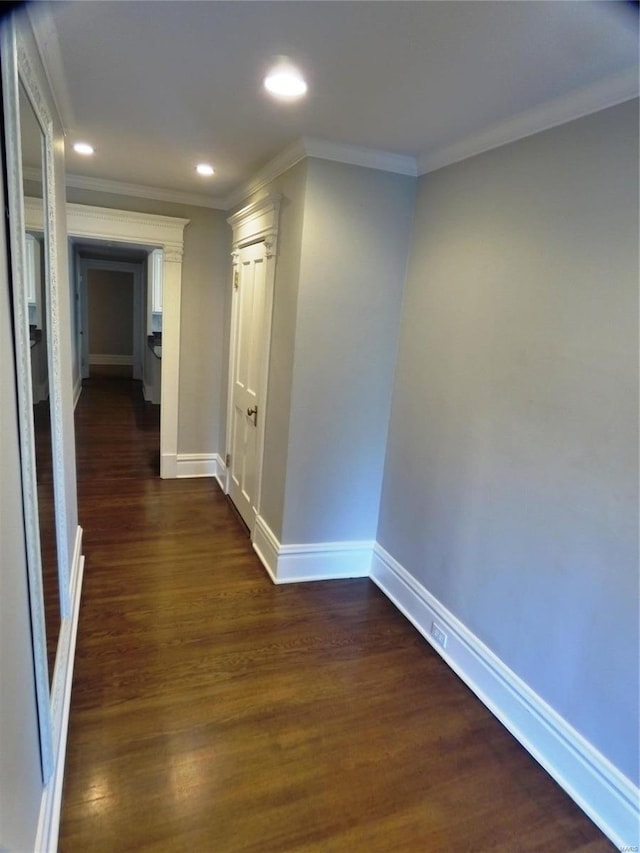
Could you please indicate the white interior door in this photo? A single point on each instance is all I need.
(247, 395)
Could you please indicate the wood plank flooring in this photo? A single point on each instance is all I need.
(47, 527)
(214, 711)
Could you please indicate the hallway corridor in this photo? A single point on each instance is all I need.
(217, 713)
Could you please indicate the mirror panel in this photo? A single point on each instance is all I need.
(35, 247)
(15, 63)
(32, 153)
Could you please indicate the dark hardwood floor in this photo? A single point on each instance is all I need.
(214, 711)
(47, 527)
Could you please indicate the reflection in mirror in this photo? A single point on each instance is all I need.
(155, 274)
(36, 286)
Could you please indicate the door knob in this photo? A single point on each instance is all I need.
(253, 413)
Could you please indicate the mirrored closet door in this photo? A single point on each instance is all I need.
(29, 153)
(35, 283)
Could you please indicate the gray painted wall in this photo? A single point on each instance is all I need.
(205, 275)
(110, 309)
(357, 224)
(511, 478)
(342, 249)
(20, 777)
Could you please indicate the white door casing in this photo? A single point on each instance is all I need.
(146, 229)
(255, 229)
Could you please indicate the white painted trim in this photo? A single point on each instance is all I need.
(323, 149)
(221, 473)
(600, 95)
(169, 465)
(355, 155)
(258, 221)
(324, 561)
(103, 185)
(77, 559)
(310, 562)
(197, 464)
(77, 390)
(266, 547)
(106, 358)
(283, 161)
(126, 226)
(51, 802)
(605, 794)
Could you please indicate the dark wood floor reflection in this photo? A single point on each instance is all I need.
(47, 528)
(214, 711)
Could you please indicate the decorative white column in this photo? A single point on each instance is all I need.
(171, 302)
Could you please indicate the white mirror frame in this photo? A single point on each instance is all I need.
(16, 71)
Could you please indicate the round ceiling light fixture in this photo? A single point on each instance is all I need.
(284, 80)
(205, 170)
(83, 148)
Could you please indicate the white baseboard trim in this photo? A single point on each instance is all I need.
(199, 465)
(106, 358)
(51, 802)
(310, 562)
(168, 466)
(221, 473)
(77, 390)
(266, 547)
(324, 561)
(606, 795)
(151, 393)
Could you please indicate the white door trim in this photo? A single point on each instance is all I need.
(146, 229)
(255, 223)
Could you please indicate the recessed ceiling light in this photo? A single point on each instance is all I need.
(284, 80)
(83, 148)
(204, 169)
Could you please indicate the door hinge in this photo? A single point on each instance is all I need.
(227, 460)
(235, 280)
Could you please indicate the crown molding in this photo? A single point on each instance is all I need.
(355, 155)
(287, 158)
(323, 149)
(605, 93)
(103, 185)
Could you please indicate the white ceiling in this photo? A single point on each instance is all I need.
(160, 86)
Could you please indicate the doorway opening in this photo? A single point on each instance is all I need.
(86, 222)
(110, 321)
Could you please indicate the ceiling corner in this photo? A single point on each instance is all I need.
(581, 102)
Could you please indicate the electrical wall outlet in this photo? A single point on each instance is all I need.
(438, 635)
